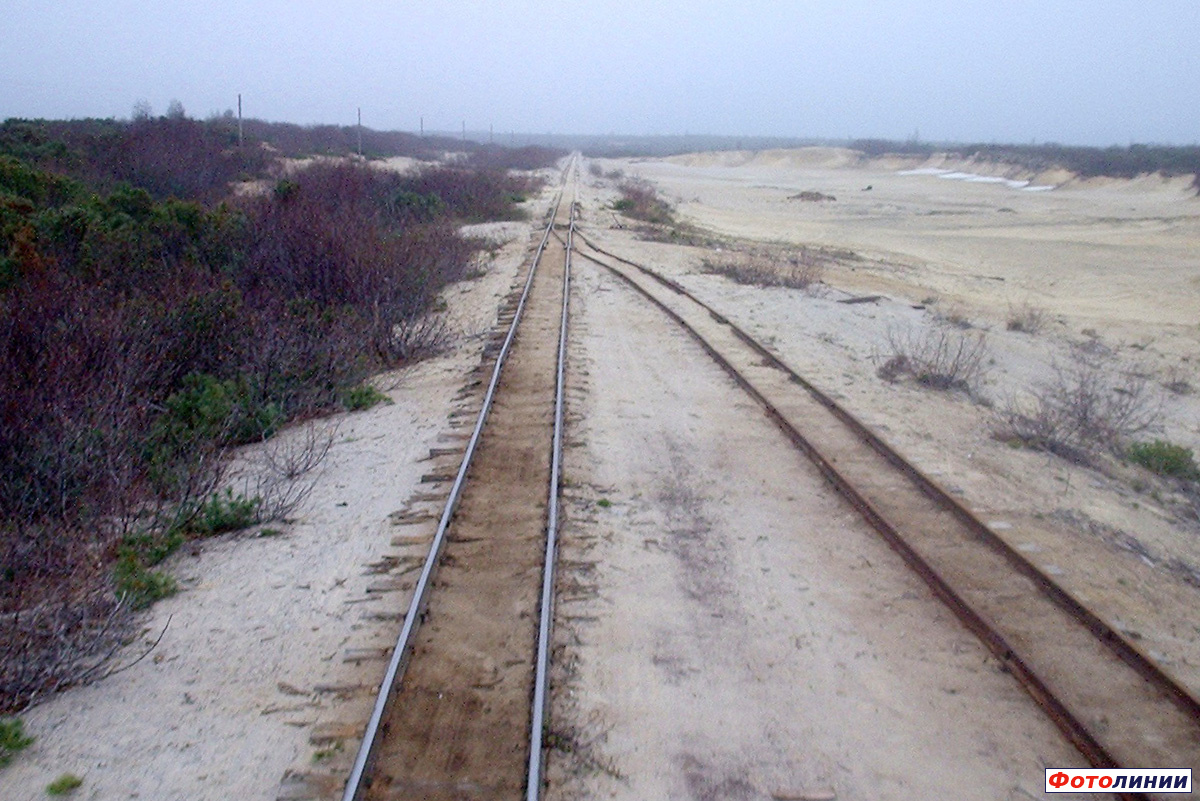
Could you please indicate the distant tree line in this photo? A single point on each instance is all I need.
(1088, 162)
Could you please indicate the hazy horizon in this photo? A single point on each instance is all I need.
(1057, 71)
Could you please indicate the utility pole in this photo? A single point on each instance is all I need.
(239, 120)
(422, 126)
(464, 133)
(491, 134)
(360, 131)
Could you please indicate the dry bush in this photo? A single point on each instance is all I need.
(472, 195)
(139, 341)
(59, 643)
(800, 269)
(1027, 318)
(1091, 405)
(954, 316)
(641, 201)
(286, 470)
(936, 357)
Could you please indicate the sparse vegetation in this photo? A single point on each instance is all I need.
(1090, 406)
(936, 357)
(641, 201)
(796, 269)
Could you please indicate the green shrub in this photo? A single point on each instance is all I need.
(224, 512)
(417, 206)
(1165, 459)
(363, 396)
(12, 739)
(138, 585)
(205, 415)
(64, 784)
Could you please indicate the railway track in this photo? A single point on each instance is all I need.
(453, 718)
(1110, 701)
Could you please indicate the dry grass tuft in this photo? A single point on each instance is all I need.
(795, 269)
(1026, 318)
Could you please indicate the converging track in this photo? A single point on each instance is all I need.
(1116, 706)
(454, 717)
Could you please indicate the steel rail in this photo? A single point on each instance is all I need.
(1127, 651)
(1071, 726)
(533, 785)
(402, 650)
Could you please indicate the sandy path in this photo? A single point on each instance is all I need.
(728, 628)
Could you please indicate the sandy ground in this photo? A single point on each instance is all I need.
(1117, 268)
(276, 642)
(728, 627)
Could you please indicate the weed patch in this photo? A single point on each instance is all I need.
(136, 584)
(64, 785)
(13, 739)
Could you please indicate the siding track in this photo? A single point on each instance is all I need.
(1111, 702)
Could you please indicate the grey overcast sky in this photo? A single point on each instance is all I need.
(1074, 71)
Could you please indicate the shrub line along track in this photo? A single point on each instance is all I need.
(452, 718)
(1111, 702)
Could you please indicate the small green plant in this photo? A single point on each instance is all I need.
(223, 512)
(604, 503)
(64, 784)
(12, 739)
(363, 396)
(1165, 459)
(328, 753)
(137, 584)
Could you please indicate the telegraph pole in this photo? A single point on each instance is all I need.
(360, 131)
(239, 120)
